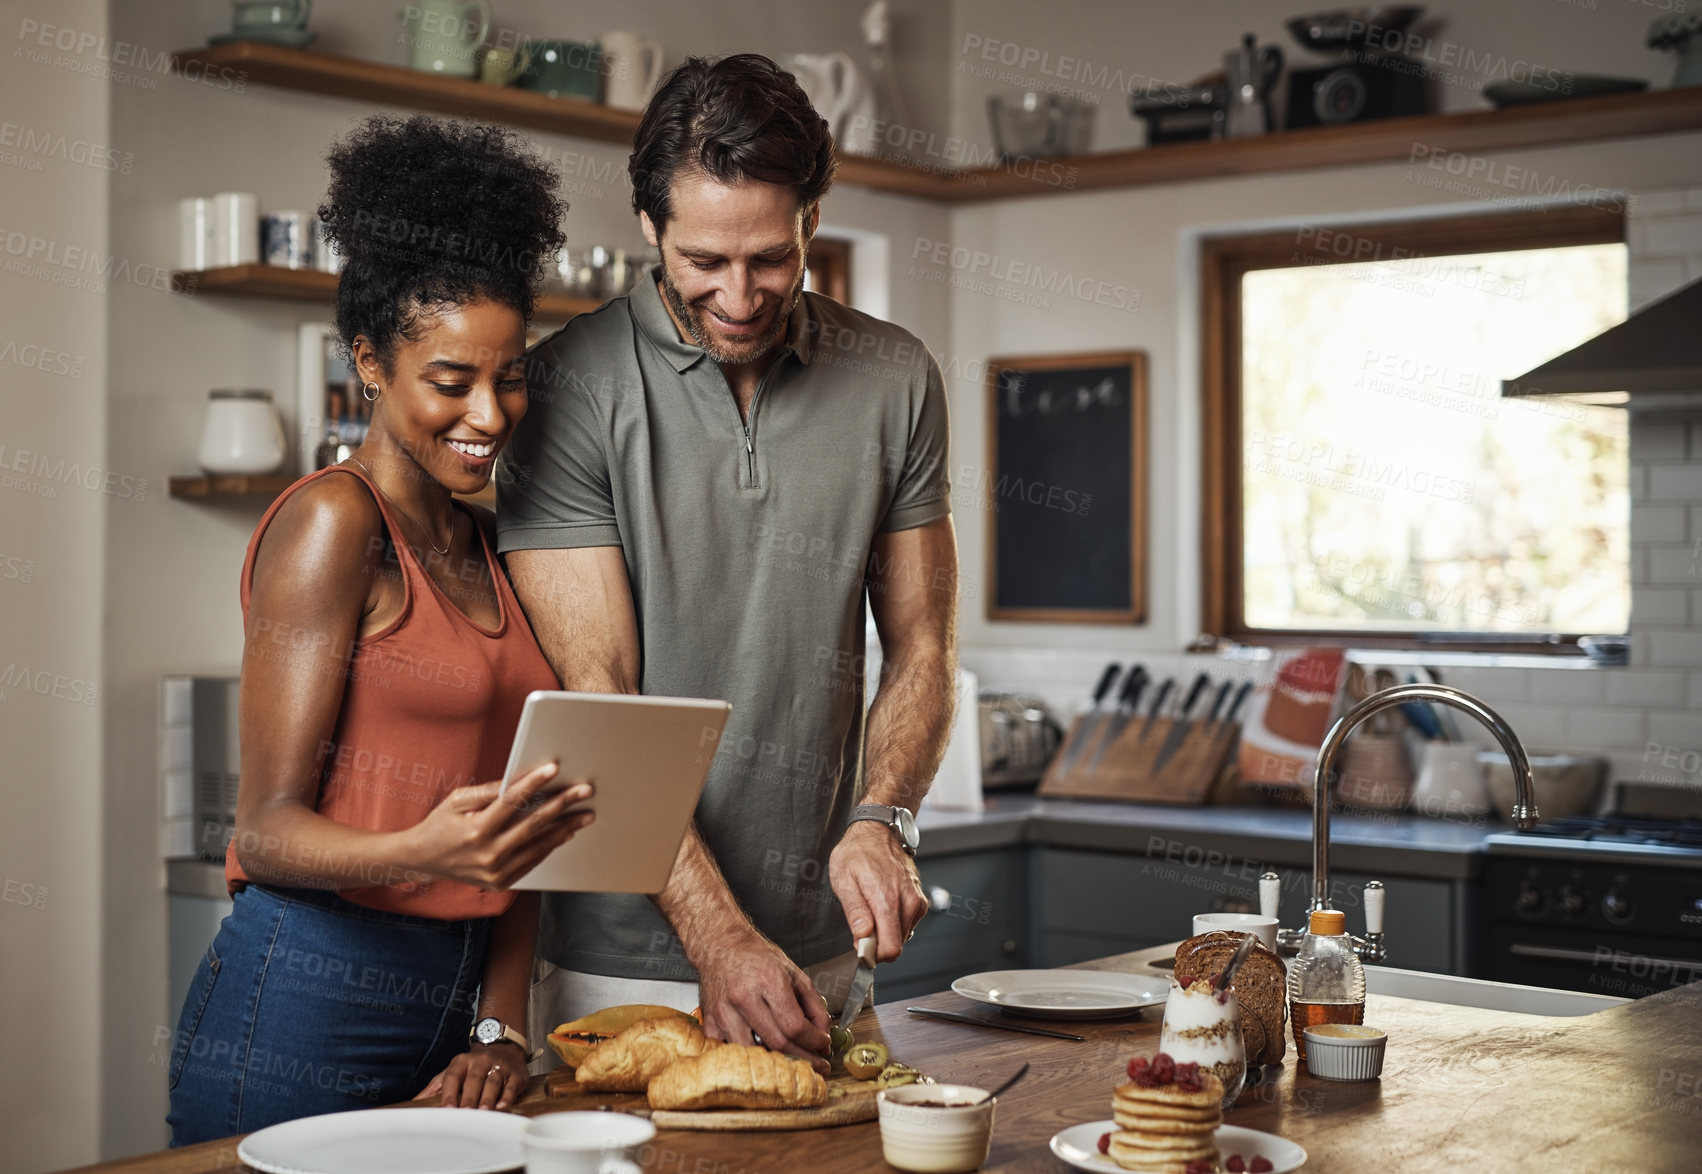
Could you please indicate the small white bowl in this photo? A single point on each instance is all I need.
(1345, 1051)
(1263, 928)
(581, 1142)
(936, 1138)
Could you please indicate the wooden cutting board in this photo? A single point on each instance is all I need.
(849, 1101)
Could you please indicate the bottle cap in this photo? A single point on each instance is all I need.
(1327, 921)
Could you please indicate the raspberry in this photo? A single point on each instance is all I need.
(1235, 1165)
(1145, 1079)
(1223, 996)
(1163, 1068)
(1188, 1071)
(1260, 1165)
(1203, 1166)
(1104, 1143)
(1137, 1066)
(1184, 981)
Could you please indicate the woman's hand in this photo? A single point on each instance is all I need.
(488, 1076)
(484, 837)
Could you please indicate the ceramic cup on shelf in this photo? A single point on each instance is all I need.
(195, 234)
(250, 16)
(443, 36)
(241, 434)
(284, 239)
(564, 69)
(632, 67)
(236, 229)
(503, 67)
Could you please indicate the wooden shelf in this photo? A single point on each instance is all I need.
(1539, 124)
(268, 486)
(315, 285)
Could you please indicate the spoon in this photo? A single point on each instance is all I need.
(1228, 976)
(1015, 1076)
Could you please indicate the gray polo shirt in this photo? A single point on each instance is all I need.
(747, 548)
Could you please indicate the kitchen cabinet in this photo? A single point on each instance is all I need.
(1089, 904)
(978, 922)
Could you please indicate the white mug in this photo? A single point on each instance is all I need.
(195, 234)
(1263, 928)
(632, 67)
(236, 229)
(582, 1142)
(443, 36)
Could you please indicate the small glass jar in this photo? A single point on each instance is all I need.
(1203, 1026)
(241, 434)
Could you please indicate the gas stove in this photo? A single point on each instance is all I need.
(1610, 904)
(1672, 843)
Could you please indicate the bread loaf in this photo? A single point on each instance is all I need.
(1261, 989)
(732, 1076)
(629, 1061)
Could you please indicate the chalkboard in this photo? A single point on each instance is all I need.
(1066, 488)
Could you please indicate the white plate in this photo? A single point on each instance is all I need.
(389, 1141)
(1079, 1146)
(1064, 994)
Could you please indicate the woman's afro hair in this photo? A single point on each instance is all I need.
(429, 212)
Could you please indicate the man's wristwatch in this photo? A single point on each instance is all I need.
(899, 819)
(491, 1030)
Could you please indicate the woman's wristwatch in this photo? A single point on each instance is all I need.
(491, 1030)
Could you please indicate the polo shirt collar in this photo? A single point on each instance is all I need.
(651, 314)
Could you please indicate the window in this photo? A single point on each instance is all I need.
(1365, 482)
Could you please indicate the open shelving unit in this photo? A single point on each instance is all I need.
(1569, 120)
(315, 285)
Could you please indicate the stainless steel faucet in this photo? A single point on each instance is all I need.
(1371, 947)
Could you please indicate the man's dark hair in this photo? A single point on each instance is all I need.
(736, 119)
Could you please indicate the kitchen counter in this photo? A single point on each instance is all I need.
(1393, 843)
(1615, 1092)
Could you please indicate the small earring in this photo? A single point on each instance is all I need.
(369, 392)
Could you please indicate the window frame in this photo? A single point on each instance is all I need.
(829, 265)
(1224, 260)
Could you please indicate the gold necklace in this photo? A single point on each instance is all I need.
(444, 549)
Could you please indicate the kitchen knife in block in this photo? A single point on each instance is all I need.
(1128, 770)
(1082, 732)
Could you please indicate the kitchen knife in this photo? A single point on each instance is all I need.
(959, 1017)
(1234, 708)
(1090, 721)
(1157, 707)
(860, 982)
(1184, 721)
(1127, 699)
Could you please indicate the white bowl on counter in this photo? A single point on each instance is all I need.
(936, 1128)
(1345, 1051)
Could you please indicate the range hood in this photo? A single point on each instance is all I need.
(1652, 360)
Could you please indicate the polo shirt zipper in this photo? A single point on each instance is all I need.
(750, 443)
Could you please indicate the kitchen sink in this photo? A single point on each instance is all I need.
(1478, 992)
(1471, 992)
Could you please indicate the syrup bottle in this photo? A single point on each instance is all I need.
(1326, 980)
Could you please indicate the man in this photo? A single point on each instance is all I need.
(716, 471)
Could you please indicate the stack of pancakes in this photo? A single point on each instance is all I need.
(1166, 1129)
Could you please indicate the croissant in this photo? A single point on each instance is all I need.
(736, 1077)
(630, 1060)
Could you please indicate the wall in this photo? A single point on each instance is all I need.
(1146, 241)
(54, 497)
(171, 566)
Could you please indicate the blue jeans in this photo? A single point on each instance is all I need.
(307, 1004)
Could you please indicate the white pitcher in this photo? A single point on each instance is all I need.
(832, 84)
(632, 67)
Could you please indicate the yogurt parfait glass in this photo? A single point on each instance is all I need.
(1203, 1026)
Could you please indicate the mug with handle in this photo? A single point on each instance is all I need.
(632, 67)
(502, 67)
(441, 38)
(250, 15)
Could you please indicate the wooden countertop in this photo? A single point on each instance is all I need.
(1616, 1092)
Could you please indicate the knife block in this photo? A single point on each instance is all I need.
(1126, 772)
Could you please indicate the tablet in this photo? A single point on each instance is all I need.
(648, 758)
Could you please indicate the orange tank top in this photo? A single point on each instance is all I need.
(430, 703)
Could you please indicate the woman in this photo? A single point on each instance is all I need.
(384, 669)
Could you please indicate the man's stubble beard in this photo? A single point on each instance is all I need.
(702, 333)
